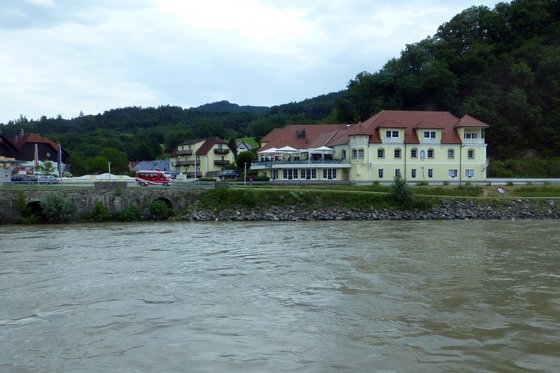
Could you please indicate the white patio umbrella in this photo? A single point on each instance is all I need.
(268, 151)
(287, 149)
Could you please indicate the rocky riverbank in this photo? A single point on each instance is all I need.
(448, 210)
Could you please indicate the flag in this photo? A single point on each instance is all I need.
(59, 160)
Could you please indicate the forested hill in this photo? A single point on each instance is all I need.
(500, 65)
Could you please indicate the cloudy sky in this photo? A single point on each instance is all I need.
(70, 56)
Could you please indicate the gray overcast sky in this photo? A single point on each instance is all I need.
(67, 56)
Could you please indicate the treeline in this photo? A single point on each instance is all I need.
(135, 133)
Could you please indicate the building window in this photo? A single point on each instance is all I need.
(452, 173)
(380, 153)
(329, 173)
(414, 153)
(344, 154)
(470, 135)
(429, 134)
(450, 153)
(482, 133)
(469, 173)
(422, 154)
(380, 173)
(413, 173)
(430, 173)
(308, 174)
(430, 153)
(274, 174)
(397, 172)
(397, 153)
(290, 174)
(392, 134)
(470, 154)
(358, 153)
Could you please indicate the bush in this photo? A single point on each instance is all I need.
(57, 209)
(130, 213)
(160, 211)
(262, 178)
(100, 213)
(400, 192)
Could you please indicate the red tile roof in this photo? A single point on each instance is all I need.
(302, 136)
(33, 138)
(208, 144)
(468, 121)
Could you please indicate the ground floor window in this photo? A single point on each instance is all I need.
(290, 174)
(274, 174)
(413, 173)
(329, 173)
(308, 174)
(397, 172)
(380, 173)
(469, 173)
(430, 173)
(452, 173)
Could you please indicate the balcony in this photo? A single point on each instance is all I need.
(186, 163)
(473, 141)
(221, 151)
(192, 174)
(221, 162)
(306, 163)
(184, 152)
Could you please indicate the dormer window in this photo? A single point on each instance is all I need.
(429, 134)
(392, 134)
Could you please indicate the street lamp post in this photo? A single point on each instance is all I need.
(109, 164)
(244, 172)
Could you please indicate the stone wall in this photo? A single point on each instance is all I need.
(115, 198)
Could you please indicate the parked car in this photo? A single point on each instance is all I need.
(48, 179)
(229, 174)
(24, 179)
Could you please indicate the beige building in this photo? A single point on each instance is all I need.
(201, 158)
(415, 145)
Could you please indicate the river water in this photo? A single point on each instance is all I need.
(278, 297)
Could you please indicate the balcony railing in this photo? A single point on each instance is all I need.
(184, 152)
(187, 163)
(473, 141)
(221, 151)
(219, 162)
(296, 163)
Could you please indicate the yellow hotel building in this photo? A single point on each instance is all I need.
(200, 158)
(429, 146)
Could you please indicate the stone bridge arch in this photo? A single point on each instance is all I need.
(165, 200)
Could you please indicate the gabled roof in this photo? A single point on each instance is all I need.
(411, 120)
(358, 130)
(428, 124)
(7, 144)
(391, 124)
(468, 121)
(208, 144)
(301, 136)
(33, 138)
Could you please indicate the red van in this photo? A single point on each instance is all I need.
(146, 178)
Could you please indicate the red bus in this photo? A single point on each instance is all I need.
(147, 177)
